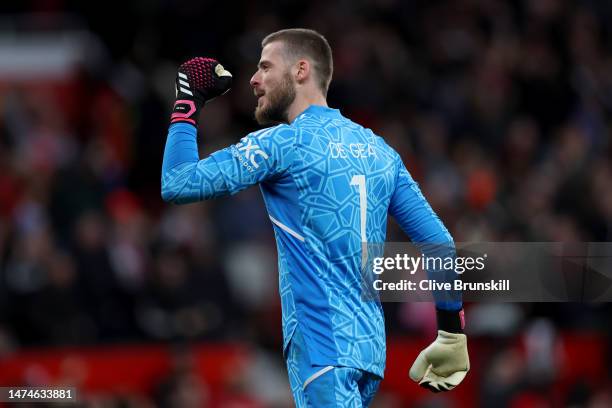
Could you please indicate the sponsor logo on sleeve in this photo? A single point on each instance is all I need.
(249, 153)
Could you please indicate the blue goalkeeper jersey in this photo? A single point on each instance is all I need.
(328, 185)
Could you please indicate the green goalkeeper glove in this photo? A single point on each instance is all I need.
(444, 363)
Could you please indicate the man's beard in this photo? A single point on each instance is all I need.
(277, 107)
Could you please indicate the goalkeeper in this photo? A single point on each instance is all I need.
(328, 186)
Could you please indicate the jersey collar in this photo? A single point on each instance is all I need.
(318, 110)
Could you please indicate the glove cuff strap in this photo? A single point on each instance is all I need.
(451, 321)
(185, 110)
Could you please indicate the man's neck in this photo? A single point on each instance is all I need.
(300, 104)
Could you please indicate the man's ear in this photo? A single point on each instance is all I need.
(302, 70)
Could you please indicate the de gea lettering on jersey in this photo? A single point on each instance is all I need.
(356, 150)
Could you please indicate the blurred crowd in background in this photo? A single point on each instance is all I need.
(500, 110)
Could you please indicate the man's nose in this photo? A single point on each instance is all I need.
(254, 80)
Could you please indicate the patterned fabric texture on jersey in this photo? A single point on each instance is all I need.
(328, 185)
(326, 387)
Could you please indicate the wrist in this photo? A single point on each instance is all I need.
(185, 111)
(451, 321)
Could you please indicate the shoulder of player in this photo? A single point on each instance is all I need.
(382, 143)
(269, 132)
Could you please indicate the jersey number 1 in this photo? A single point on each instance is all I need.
(360, 181)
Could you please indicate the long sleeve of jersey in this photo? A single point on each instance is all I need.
(416, 217)
(256, 158)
